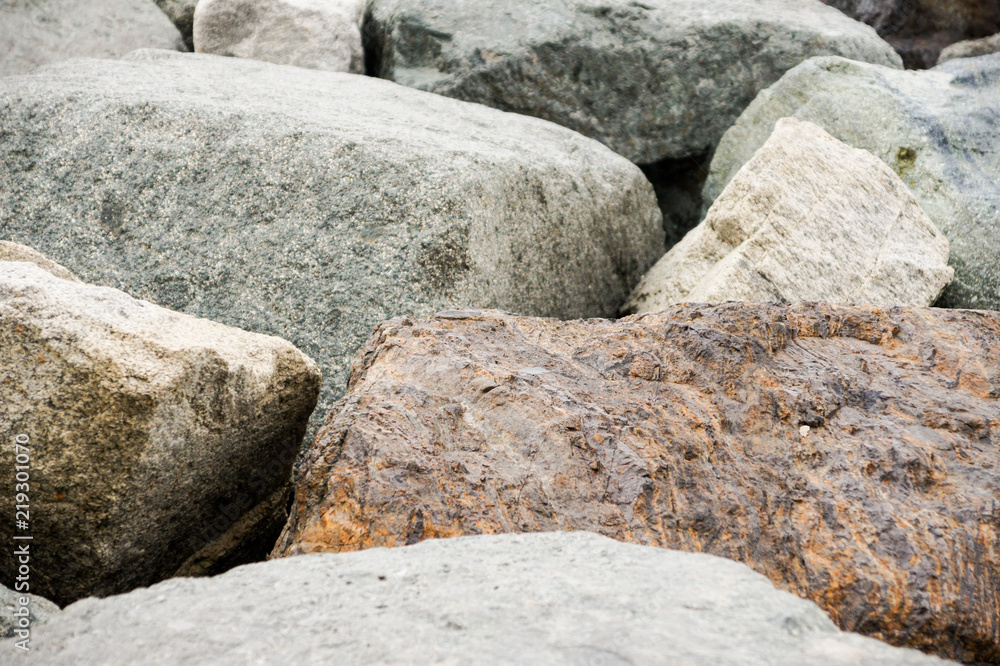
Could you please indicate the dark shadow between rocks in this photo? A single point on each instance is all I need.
(678, 184)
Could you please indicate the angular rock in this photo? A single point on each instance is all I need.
(150, 435)
(38, 32)
(808, 218)
(918, 29)
(39, 610)
(652, 80)
(17, 252)
(972, 48)
(847, 453)
(936, 129)
(317, 34)
(513, 599)
(313, 205)
(181, 12)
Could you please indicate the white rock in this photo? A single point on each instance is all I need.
(807, 218)
(316, 34)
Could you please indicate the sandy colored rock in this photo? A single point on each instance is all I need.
(972, 48)
(316, 34)
(38, 32)
(558, 599)
(808, 218)
(151, 435)
(847, 453)
(16, 252)
(937, 129)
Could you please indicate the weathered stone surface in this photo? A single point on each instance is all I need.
(652, 80)
(918, 29)
(936, 129)
(313, 205)
(972, 48)
(151, 434)
(514, 599)
(808, 218)
(318, 34)
(38, 32)
(181, 12)
(848, 453)
(38, 608)
(17, 252)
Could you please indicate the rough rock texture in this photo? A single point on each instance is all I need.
(39, 610)
(38, 32)
(181, 12)
(573, 599)
(318, 34)
(17, 252)
(972, 48)
(152, 434)
(847, 453)
(918, 29)
(651, 79)
(313, 205)
(936, 129)
(808, 218)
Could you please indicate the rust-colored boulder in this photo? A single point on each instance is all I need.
(919, 29)
(848, 453)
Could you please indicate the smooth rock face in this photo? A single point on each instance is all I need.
(38, 32)
(918, 29)
(514, 599)
(972, 48)
(652, 80)
(313, 205)
(848, 453)
(317, 34)
(39, 610)
(936, 129)
(181, 12)
(17, 252)
(808, 218)
(151, 433)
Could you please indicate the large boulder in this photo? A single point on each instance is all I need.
(972, 48)
(657, 81)
(318, 34)
(146, 438)
(313, 205)
(561, 599)
(848, 453)
(808, 218)
(38, 32)
(181, 12)
(936, 129)
(918, 29)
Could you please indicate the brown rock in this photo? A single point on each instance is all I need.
(919, 29)
(848, 453)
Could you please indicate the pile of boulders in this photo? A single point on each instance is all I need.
(336, 297)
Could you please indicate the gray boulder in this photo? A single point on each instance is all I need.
(152, 438)
(312, 205)
(657, 81)
(36, 610)
(972, 48)
(181, 12)
(38, 32)
(936, 129)
(318, 34)
(808, 218)
(556, 598)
